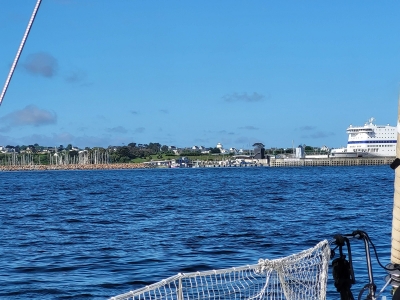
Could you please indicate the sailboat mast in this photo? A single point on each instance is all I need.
(395, 251)
(21, 46)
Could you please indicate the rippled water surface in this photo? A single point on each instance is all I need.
(96, 234)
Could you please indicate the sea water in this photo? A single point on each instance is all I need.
(96, 234)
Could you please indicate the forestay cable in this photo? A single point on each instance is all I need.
(21, 46)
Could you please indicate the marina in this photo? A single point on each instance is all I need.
(249, 163)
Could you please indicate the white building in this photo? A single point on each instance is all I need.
(325, 148)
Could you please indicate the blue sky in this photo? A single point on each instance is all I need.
(184, 73)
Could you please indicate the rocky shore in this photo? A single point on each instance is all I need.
(76, 167)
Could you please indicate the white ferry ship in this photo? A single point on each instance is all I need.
(369, 140)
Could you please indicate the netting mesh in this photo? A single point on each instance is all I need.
(298, 276)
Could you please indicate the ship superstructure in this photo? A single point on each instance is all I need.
(369, 140)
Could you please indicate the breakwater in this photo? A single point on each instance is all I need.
(33, 167)
(337, 161)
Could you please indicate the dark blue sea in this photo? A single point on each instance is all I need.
(97, 234)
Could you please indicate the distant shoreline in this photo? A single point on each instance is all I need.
(76, 167)
(275, 162)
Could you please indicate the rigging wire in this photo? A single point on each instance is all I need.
(21, 46)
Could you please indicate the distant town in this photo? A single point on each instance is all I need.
(133, 153)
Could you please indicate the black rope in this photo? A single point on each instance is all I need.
(342, 269)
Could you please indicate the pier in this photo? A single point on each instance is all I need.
(330, 161)
(284, 162)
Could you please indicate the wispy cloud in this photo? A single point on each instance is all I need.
(75, 77)
(56, 139)
(200, 141)
(244, 97)
(30, 116)
(5, 129)
(319, 135)
(94, 141)
(313, 134)
(242, 140)
(65, 1)
(307, 128)
(118, 129)
(42, 64)
(249, 127)
(225, 132)
(139, 130)
(7, 140)
(64, 138)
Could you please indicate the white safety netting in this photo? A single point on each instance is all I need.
(298, 276)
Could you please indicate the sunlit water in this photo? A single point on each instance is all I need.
(96, 234)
